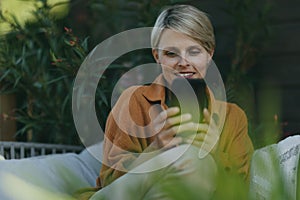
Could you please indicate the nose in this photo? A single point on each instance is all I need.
(183, 62)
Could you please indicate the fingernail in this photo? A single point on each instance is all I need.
(175, 109)
(202, 153)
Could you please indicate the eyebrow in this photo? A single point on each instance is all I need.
(168, 48)
(195, 46)
(175, 48)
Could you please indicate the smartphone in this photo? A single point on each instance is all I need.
(187, 103)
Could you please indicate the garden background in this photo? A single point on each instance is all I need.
(43, 44)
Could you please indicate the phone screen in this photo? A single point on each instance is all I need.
(179, 86)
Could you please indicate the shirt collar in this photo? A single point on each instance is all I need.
(156, 91)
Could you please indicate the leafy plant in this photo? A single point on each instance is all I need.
(30, 69)
(39, 60)
(251, 30)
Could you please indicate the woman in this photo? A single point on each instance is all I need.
(183, 44)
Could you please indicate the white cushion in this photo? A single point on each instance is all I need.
(60, 173)
(273, 172)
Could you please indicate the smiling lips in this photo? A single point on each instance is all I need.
(185, 74)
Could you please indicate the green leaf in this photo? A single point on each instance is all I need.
(56, 80)
(5, 74)
(103, 98)
(38, 85)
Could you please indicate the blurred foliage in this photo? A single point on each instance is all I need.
(30, 69)
(39, 58)
(102, 19)
(22, 11)
(251, 19)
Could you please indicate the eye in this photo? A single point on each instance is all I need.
(170, 54)
(194, 52)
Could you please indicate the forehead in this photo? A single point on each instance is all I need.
(171, 38)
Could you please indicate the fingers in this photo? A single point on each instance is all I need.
(200, 144)
(167, 139)
(183, 128)
(172, 143)
(206, 114)
(190, 127)
(206, 136)
(164, 126)
(204, 140)
(162, 116)
(201, 141)
(196, 138)
(173, 129)
(212, 119)
(199, 137)
(178, 120)
(168, 118)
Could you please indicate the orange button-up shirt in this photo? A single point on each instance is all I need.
(128, 133)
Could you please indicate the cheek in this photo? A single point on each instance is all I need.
(168, 72)
(170, 62)
(201, 64)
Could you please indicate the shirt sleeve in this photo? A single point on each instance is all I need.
(121, 147)
(236, 148)
(241, 148)
(114, 154)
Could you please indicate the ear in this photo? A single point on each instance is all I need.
(155, 55)
(212, 53)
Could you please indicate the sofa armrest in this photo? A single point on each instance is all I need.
(60, 173)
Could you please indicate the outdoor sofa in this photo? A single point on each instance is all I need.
(67, 172)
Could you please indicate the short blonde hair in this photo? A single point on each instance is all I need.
(188, 20)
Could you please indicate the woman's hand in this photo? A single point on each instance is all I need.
(207, 134)
(173, 129)
(168, 124)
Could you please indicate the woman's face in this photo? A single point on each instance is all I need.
(181, 56)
